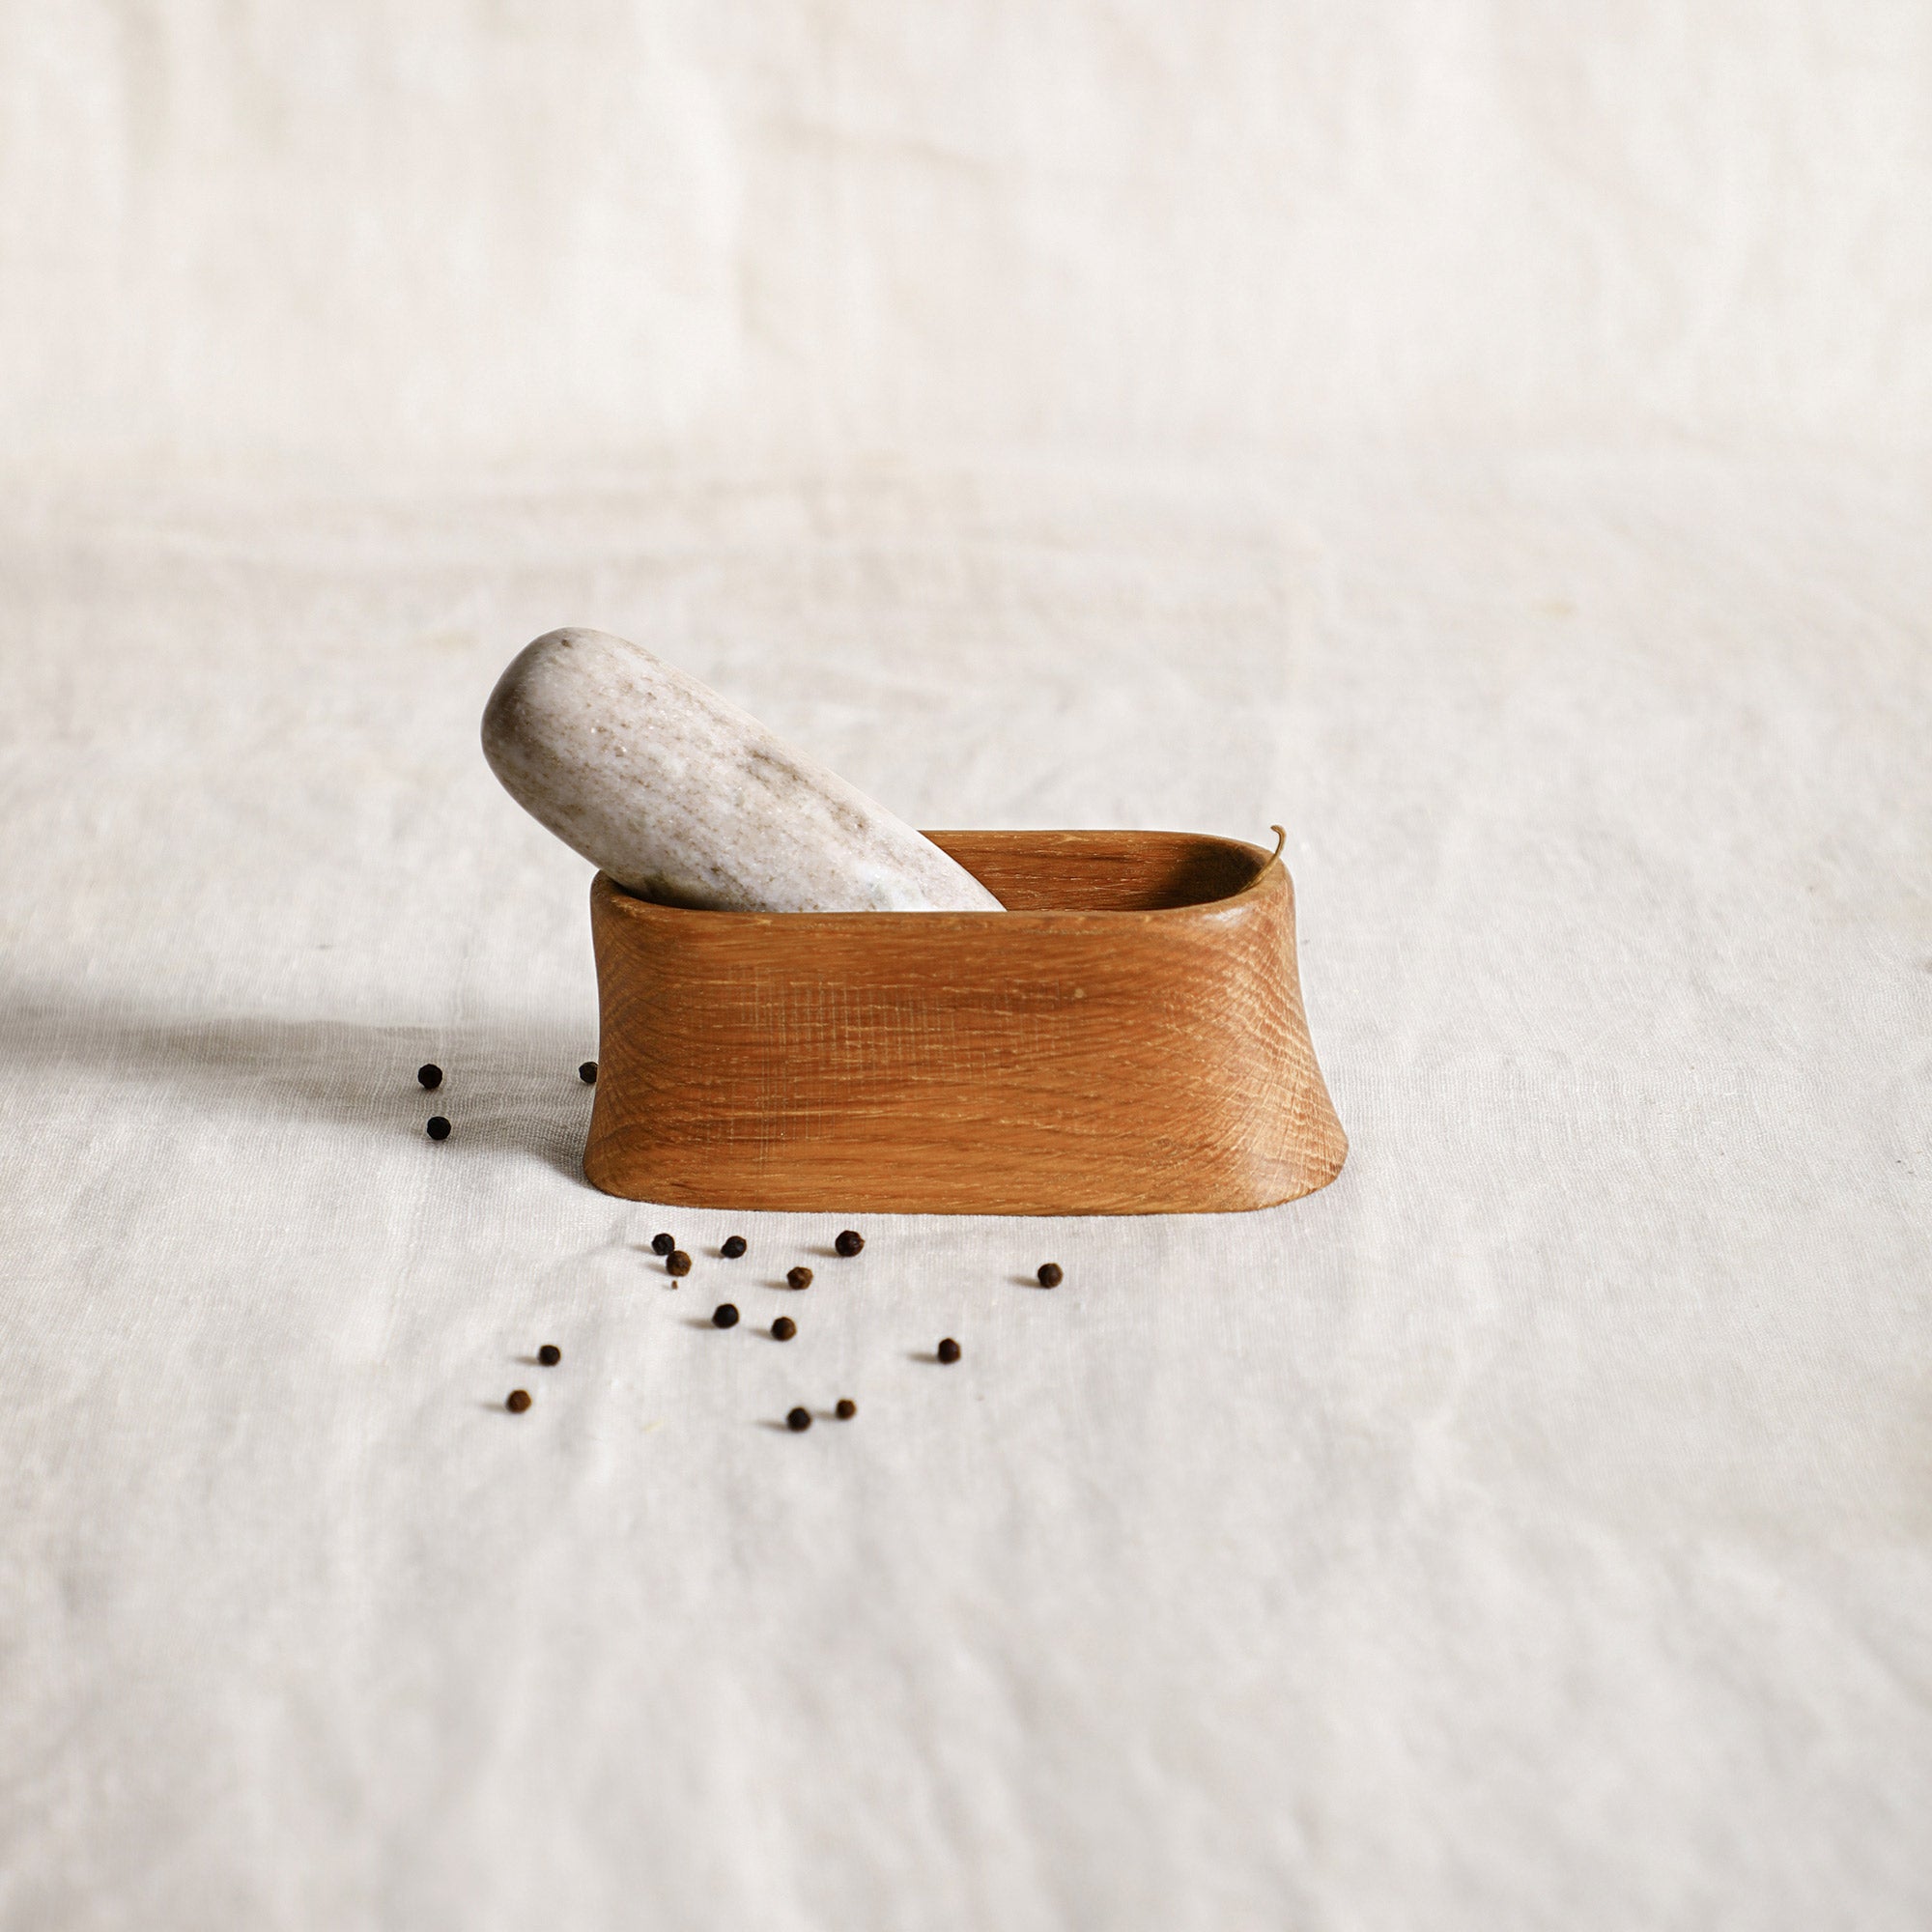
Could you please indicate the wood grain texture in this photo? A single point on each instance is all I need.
(1127, 1038)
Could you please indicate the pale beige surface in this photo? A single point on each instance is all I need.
(1530, 1530)
(388, 236)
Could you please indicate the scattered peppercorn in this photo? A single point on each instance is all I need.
(677, 1261)
(799, 1419)
(949, 1351)
(550, 1354)
(847, 1408)
(725, 1315)
(438, 1128)
(849, 1243)
(429, 1076)
(517, 1401)
(587, 1073)
(733, 1247)
(783, 1328)
(798, 1277)
(661, 1244)
(1050, 1274)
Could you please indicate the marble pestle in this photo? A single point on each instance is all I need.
(682, 797)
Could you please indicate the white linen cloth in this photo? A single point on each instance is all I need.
(1490, 443)
(1528, 1529)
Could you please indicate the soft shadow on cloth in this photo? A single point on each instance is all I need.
(510, 1081)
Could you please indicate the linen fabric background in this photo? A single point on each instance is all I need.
(1488, 440)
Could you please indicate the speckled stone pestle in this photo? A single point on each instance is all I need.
(682, 797)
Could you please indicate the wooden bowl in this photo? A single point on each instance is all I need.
(1127, 1038)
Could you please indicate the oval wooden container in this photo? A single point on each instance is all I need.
(1127, 1038)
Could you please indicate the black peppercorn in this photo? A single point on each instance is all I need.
(438, 1128)
(723, 1316)
(949, 1351)
(783, 1328)
(798, 1277)
(661, 1244)
(587, 1073)
(1050, 1275)
(799, 1419)
(677, 1261)
(550, 1354)
(733, 1247)
(847, 1408)
(849, 1243)
(517, 1401)
(429, 1076)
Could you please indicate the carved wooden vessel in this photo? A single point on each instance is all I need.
(1127, 1038)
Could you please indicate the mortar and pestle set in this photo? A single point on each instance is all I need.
(806, 1004)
